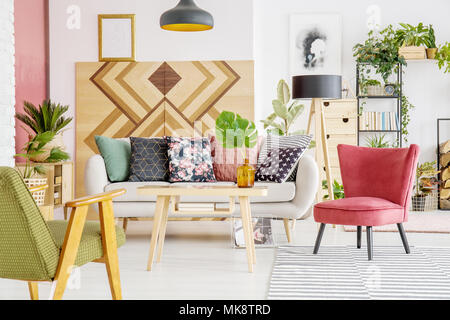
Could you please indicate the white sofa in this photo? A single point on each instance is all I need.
(289, 201)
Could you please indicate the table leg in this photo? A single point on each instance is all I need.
(161, 203)
(251, 231)
(244, 205)
(162, 230)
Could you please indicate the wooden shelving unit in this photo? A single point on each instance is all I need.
(60, 183)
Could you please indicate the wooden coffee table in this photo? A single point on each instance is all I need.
(167, 194)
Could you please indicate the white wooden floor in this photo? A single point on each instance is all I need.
(199, 263)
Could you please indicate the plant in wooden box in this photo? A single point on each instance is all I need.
(48, 117)
(411, 39)
(32, 171)
(430, 42)
(443, 57)
(233, 131)
(424, 180)
(371, 87)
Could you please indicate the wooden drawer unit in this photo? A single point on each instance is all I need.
(340, 108)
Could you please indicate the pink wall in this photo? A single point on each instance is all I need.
(31, 57)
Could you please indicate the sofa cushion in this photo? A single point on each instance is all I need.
(279, 164)
(276, 142)
(149, 161)
(190, 160)
(277, 192)
(116, 154)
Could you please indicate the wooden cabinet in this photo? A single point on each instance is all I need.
(341, 128)
(60, 183)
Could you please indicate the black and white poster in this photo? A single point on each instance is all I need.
(315, 44)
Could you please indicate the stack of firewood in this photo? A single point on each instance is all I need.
(444, 162)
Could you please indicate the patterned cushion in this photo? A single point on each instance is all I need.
(190, 160)
(279, 164)
(91, 247)
(27, 248)
(276, 142)
(149, 160)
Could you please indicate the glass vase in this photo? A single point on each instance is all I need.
(246, 175)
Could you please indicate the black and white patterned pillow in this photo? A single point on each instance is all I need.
(279, 164)
(277, 142)
(149, 160)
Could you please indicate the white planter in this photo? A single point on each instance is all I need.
(56, 142)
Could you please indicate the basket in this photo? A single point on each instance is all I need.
(38, 196)
(428, 202)
(375, 91)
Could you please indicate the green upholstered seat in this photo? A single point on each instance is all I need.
(29, 247)
(91, 247)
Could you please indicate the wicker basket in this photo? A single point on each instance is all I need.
(39, 196)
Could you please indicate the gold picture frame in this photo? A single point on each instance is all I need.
(114, 31)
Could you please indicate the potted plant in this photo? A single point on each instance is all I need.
(338, 190)
(443, 57)
(371, 87)
(377, 142)
(424, 171)
(48, 117)
(411, 40)
(32, 173)
(430, 42)
(285, 110)
(233, 131)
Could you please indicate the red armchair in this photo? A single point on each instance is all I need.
(377, 185)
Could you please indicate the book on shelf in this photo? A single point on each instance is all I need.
(383, 121)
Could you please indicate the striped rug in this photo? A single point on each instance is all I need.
(343, 272)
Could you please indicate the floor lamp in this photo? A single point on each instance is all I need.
(318, 87)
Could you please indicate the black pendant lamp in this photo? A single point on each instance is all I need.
(186, 16)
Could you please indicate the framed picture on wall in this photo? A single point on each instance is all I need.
(116, 37)
(315, 42)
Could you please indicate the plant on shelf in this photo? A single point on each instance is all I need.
(380, 53)
(338, 190)
(424, 174)
(377, 141)
(285, 110)
(443, 57)
(371, 87)
(430, 42)
(409, 35)
(34, 148)
(48, 117)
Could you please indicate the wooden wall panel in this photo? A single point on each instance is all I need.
(144, 99)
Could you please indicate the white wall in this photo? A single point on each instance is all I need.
(426, 86)
(7, 91)
(231, 38)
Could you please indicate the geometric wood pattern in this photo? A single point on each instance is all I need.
(147, 99)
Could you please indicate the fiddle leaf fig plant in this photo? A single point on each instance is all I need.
(286, 112)
(233, 131)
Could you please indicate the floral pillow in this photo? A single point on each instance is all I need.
(190, 160)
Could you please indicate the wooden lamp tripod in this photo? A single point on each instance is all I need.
(318, 87)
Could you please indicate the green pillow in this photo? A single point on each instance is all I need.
(116, 154)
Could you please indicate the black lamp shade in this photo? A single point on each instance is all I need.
(317, 86)
(186, 16)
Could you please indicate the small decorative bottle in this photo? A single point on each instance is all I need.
(246, 175)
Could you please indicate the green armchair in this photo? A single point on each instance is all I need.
(34, 250)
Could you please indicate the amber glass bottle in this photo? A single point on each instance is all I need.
(246, 175)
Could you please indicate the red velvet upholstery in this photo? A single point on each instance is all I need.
(377, 185)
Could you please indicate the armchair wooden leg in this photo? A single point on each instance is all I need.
(109, 242)
(125, 224)
(369, 242)
(69, 250)
(34, 291)
(319, 238)
(403, 236)
(358, 236)
(287, 229)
